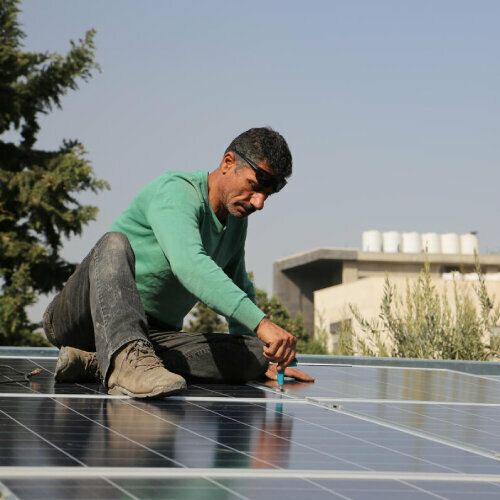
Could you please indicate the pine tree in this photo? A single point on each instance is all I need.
(37, 188)
(205, 320)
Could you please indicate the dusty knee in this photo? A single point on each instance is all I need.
(114, 249)
(115, 241)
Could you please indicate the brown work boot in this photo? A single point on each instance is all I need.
(136, 371)
(74, 365)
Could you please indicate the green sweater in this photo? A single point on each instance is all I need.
(184, 254)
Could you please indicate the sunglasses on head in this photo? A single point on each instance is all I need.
(264, 178)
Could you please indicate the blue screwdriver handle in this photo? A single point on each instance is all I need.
(281, 373)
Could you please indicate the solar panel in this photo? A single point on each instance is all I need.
(358, 432)
(399, 384)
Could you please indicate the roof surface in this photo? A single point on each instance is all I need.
(357, 432)
(354, 254)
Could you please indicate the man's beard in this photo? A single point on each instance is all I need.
(235, 209)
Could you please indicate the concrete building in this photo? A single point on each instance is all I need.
(325, 280)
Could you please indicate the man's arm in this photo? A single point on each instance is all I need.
(278, 342)
(268, 331)
(174, 219)
(236, 270)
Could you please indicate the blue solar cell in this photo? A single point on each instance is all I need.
(471, 424)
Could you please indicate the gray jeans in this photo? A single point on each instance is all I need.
(99, 309)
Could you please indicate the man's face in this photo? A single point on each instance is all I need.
(243, 195)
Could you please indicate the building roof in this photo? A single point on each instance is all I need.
(354, 254)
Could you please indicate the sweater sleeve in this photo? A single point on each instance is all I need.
(236, 270)
(174, 214)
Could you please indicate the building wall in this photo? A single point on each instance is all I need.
(298, 277)
(296, 287)
(332, 304)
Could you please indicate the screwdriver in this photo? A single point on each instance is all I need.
(281, 375)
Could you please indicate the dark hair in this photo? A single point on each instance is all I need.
(264, 143)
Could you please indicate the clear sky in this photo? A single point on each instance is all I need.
(391, 109)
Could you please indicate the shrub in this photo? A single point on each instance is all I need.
(422, 324)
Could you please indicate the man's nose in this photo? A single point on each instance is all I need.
(258, 200)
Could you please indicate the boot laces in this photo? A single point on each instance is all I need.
(91, 362)
(140, 354)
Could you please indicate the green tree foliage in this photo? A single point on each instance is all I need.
(37, 188)
(205, 320)
(421, 323)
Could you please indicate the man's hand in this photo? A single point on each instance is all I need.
(279, 344)
(272, 374)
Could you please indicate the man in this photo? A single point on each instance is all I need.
(181, 240)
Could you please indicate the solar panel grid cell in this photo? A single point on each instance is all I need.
(472, 425)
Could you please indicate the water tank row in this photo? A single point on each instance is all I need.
(456, 276)
(393, 242)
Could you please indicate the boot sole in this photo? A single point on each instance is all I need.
(160, 392)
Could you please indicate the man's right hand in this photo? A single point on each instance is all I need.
(279, 344)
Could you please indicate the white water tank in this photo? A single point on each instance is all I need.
(452, 276)
(411, 243)
(470, 277)
(391, 241)
(431, 242)
(450, 243)
(469, 243)
(372, 241)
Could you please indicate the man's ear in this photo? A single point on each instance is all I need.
(228, 162)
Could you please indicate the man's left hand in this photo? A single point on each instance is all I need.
(272, 374)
